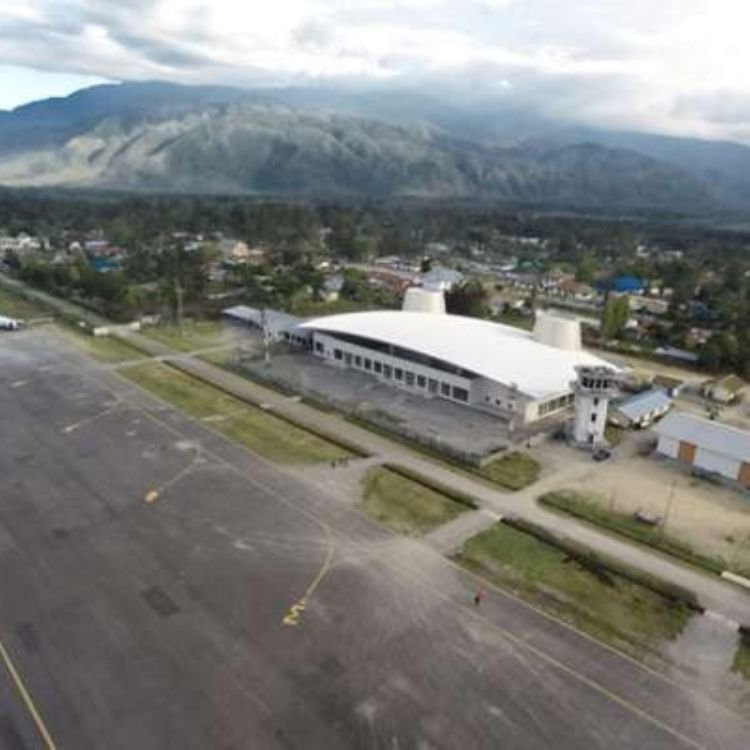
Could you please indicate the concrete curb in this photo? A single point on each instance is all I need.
(734, 578)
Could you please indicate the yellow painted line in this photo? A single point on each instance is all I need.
(295, 612)
(28, 702)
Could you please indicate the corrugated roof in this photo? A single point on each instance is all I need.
(705, 433)
(732, 383)
(276, 320)
(491, 350)
(638, 406)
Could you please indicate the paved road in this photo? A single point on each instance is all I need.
(158, 624)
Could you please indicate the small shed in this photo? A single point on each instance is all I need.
(640, 410)
(671, 386)
(724, 390)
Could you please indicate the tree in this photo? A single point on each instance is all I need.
(615, 316)
(586, 269)
(468, 298)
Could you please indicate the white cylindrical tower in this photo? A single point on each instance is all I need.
(418, 299)
(593, 390)
(560, 331)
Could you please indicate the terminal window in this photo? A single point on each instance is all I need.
(377, 367)
(460, 394)
(337, 354)
(445, 389)
(399, 373)
(421, 381)
(409, 378)
(387, 371)
(368, 364)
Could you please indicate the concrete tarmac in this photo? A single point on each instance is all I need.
(161, 587)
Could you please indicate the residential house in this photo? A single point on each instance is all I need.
(724, 390)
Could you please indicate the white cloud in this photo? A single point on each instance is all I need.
(627, 63)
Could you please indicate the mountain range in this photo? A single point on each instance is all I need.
(317, 142)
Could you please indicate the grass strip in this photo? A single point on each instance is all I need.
(406, 505)
(351, 448)
(612, 607)
(258, 430)
(741, 663)
(107, 349)
(513, 471)
(417, 476)
(195, 334)
(604, 565)
(581, 506)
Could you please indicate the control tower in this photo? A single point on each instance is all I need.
(593, 390)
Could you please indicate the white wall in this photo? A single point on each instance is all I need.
(668, 446)
(710, 461)
(590, 418)
(483, 393)
(330, 343)
(497, 398)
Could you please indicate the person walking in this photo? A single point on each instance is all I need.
(478, 597)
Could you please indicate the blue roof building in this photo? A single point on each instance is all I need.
(623, 285)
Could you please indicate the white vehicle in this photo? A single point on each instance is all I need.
(9, 324)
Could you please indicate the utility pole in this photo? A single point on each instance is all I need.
(670, 500)
(178, 296)
(266, 335)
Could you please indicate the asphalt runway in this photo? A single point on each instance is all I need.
(148, 565)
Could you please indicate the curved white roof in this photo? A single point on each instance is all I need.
(494, 351)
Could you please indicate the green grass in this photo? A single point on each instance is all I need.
(102, 348)
(16, 306)
(613, 434)
(741, 663)
(260, 431)
(622, 613)
(404, 505)
(589, 509)
(514, 471)
(198, 334)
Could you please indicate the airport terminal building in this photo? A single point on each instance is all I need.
(518, 375)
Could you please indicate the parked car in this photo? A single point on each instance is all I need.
(9, 324)
(602, 454)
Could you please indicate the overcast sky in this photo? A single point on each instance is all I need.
(677, 66)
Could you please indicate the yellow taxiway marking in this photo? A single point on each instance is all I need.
(292, 617)
(28, 701)
(294, 613)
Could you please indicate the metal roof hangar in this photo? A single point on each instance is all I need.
(525, 376)
(706, 445)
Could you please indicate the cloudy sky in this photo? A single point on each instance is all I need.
(676, 66)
